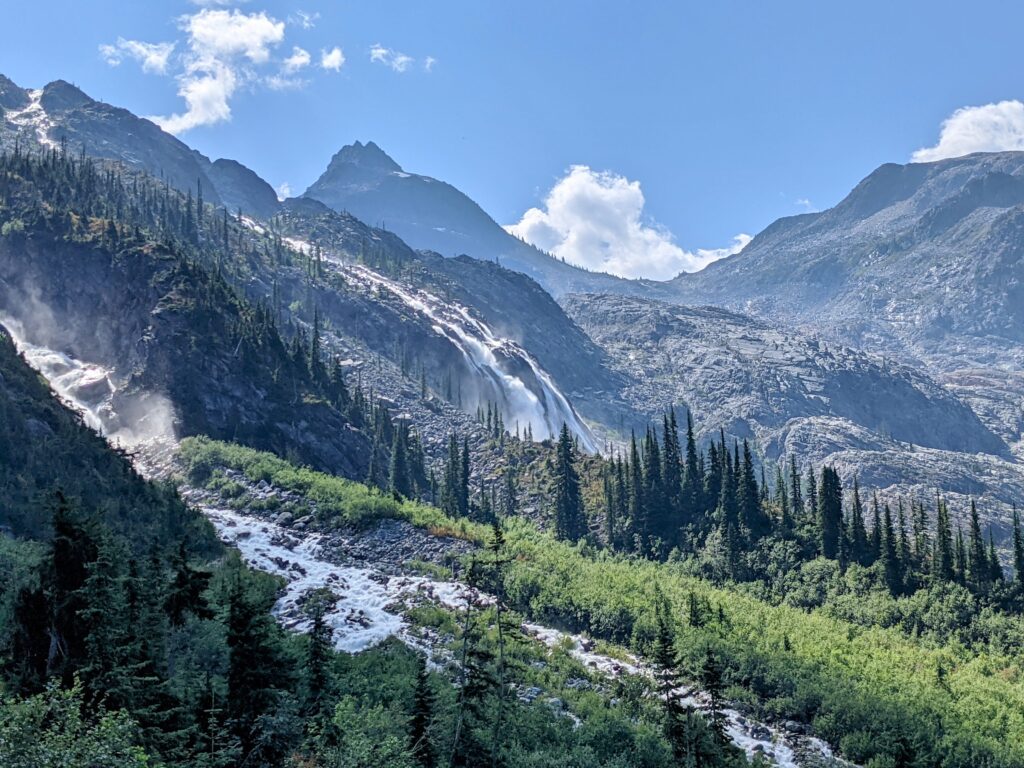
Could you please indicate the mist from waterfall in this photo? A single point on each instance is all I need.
(89, 389)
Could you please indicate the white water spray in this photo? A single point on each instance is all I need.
(506, 372)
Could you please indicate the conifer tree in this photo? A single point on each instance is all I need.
(423, 712)
(318, 654)
(859, 549)
(713, 684)
(752, 516)
(892, 567)
(691, 502)
(978, 567)
(400, 476)
(796, 501)
(668, 680)
(942, 555)
(960, 566)
(569, 521)
(830, 512)
(996, 575)
(1018, 548)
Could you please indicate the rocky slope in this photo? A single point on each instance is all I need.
(820, 401)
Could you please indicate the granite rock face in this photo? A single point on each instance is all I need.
(892, 424)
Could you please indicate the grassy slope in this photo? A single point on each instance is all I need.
(873, 691)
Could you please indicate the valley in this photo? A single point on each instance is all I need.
(430, 442)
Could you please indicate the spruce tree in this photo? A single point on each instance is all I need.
(422, 714)
(995, 568)
(712, 681)
(796, 500)
(830, 512)
(892, 568)
(752, 516)
(569, 521)
(942, 553)
(978, 570)
(400, 476)
(691, 501)
(859, 549)
(1018, 549)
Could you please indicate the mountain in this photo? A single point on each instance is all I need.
(61, 112)
(432, 215)
(926, 258)
(890, 424)
(240, 188)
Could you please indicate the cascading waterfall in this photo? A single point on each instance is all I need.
(506, 372)
(89, 389)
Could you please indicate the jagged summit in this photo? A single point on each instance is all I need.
(367, 156)
(430, 214)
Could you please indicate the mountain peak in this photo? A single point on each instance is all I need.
(366, 156)
(12, 96)
(60, 95)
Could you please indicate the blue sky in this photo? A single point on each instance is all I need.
(727, 115)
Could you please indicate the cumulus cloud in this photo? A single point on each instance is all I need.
(333, 59)
(995, 127)
(429, 62)
(389, 57)
(223, 48)
(595, 219)
(152, 56)
(300, 58)
(284, 191)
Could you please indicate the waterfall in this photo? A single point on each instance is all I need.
(504, 372)
(89, 389)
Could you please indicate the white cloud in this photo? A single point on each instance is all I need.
(300, 58)
(224, 34)
(333, 59)
(989, 128)
(304, 19)
(595, 220)
(152, 56)
(806, 204)
(397, 60)
(429, 62)
(224, 46)
(284, 190)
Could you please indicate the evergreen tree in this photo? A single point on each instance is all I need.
(422, 714)
(830, 512)
(942, 555)
(691, 502)
(752, 516)
(712, 681)
(995, 568)
(570, 523)
(978, 567)
(318, 655)
(796, 500)
(400, 475)
(892, 567)
(667, 680)
(960, 567)
(859, 549)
